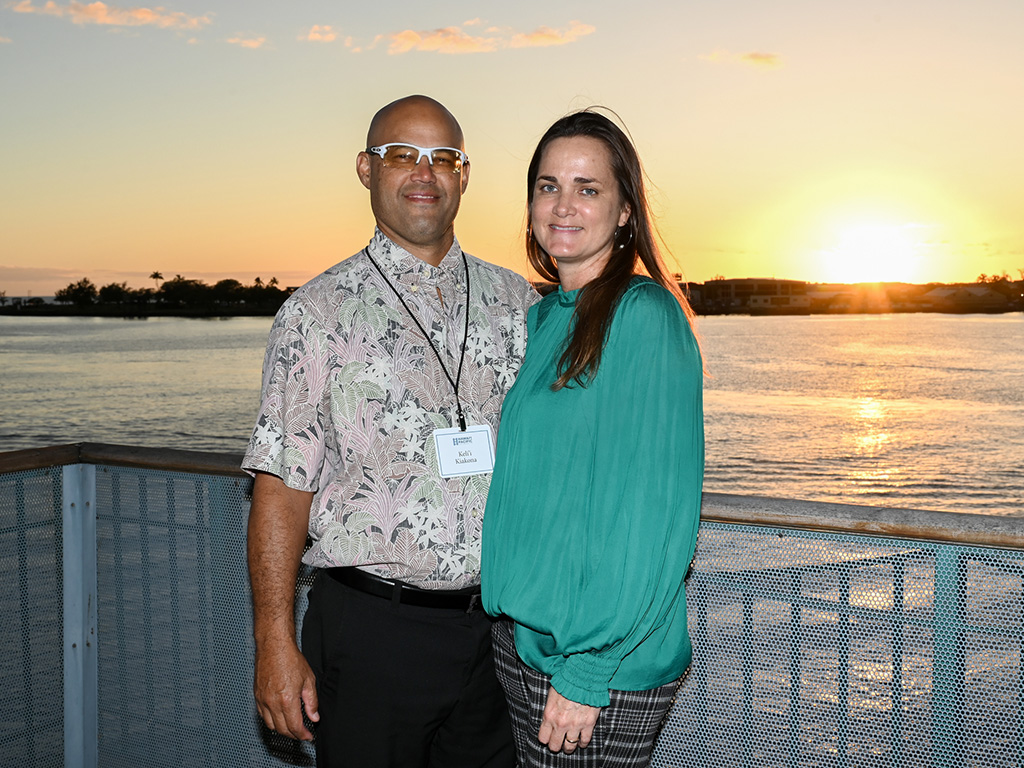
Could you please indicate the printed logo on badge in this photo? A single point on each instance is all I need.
(469, 452)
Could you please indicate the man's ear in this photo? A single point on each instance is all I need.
(363, 168)
(465, 177)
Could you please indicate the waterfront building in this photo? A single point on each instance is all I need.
(965, 298)
(756, 295)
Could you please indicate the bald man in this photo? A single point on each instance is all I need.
(382, 389)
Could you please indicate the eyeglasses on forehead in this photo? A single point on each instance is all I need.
(408, 156)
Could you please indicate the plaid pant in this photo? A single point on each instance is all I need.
(625, 732)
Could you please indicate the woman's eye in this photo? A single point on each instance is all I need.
(588, 191)
(547, 187)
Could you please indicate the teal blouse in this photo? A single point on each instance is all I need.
(592, 514)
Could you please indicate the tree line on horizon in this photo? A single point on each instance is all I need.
(179, 292)
(1002, 278)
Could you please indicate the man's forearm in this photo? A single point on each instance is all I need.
(278, 521)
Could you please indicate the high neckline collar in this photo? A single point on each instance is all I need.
(568, 298)
(397, 261)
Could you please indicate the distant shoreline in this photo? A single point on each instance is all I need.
(130, 313)
(56, 310)
(755, 297)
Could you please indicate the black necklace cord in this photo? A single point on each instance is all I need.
(465, 335)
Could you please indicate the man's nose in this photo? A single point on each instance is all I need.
(423, 170)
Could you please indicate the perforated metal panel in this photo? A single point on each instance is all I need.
(832, 650)
(31, 660)
(810, 649)
(175, 660)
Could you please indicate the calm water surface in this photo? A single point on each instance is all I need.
(923, 411)
(161, 382)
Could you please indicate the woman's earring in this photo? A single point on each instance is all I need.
(629, 239)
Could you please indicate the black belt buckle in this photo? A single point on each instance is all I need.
(474, 603)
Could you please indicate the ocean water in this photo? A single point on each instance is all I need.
(158, 382)
(923, 411)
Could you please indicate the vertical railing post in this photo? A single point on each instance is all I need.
(846, 625)
(747, 663)
(899, 580)
(81, 665)
(948, 635)
(697, 596)
(795, 685)
(231, 635)
(26, 606)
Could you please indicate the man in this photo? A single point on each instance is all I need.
(380, 387)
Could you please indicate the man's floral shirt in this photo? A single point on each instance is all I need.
(352, 394)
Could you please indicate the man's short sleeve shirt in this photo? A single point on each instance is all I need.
(352, 394)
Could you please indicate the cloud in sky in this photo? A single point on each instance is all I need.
(545, 36)
(247, 42)
(458, 40)
(101, 13)
(753, 58)
(761, 59)
(445, 40)
(321, 33)
(4, 39)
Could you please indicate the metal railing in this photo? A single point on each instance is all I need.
(824, 634)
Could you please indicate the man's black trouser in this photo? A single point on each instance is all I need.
(403, 685)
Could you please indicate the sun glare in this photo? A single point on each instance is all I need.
(875, 253)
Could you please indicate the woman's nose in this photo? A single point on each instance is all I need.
(564, 205)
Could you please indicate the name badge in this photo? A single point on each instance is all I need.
(469, 452)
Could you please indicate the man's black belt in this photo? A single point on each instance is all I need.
(465, 599)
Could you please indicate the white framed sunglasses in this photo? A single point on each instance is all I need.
(408, 156)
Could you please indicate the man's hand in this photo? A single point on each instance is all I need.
(284, 683)
(284, 688)
(566, 724)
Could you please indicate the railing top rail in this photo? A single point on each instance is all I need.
(167, 459)
(39, 458)
(954, 527)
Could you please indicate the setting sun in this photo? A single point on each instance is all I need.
(874, 252)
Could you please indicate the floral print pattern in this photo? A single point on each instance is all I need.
(352, 394)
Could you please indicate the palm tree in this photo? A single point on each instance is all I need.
(156, 277)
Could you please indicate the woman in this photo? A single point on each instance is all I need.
(593, 507)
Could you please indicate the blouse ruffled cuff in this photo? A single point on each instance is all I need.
(584, 679)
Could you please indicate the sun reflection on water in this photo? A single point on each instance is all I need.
(869, 435)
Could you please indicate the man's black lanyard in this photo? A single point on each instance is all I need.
(465, 336)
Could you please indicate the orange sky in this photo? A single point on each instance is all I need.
(804, 140)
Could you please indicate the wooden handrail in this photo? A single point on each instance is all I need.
(168, 459)
(918, 524)
(999, 531)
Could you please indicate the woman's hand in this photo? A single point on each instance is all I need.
(566, 724)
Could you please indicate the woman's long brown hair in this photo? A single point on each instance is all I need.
(634, 242)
